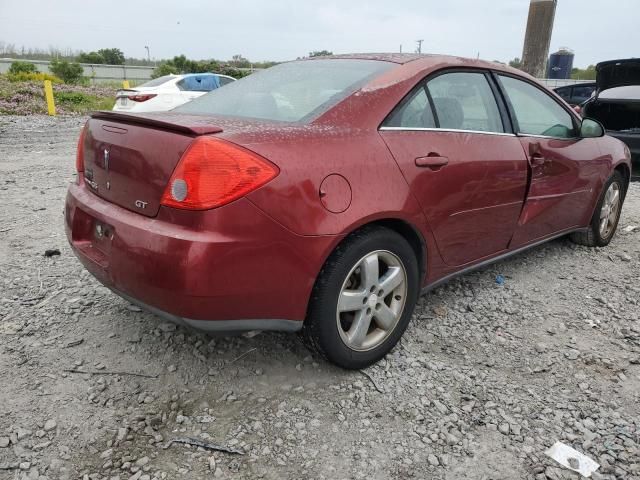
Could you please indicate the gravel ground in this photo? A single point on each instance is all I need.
(486, 378)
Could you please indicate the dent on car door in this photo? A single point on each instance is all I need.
(467, 171)
(564, 169)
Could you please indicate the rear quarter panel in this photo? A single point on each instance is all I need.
(378, 189)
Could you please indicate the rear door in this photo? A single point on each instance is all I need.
(565, 169)
(453, 143)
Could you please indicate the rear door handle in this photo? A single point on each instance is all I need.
(432, 161)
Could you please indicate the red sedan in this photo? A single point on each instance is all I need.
(324, 195)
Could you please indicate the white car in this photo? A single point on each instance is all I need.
(165, 93)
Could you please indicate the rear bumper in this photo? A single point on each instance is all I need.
(232, 268)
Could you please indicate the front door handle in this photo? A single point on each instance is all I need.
(432, 161)
(536, 157)
(538, 160)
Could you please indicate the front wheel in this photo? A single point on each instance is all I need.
(606, 216)
(363, 298)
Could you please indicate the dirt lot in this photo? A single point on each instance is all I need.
(487, 377)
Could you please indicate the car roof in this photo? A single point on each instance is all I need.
(400, 58)
(424, 58)
(425, 61)
(197, 74)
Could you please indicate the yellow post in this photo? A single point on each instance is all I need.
(48, 94)
(125, 84)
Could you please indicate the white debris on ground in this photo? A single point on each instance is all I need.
(486, 379)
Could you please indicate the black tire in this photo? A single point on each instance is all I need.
(592, 236)
(321, 331)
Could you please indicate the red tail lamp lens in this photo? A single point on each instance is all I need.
(142, 98)
(212, 173)
(80, 151)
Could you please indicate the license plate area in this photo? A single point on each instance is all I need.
(102, 236)
(92, 237)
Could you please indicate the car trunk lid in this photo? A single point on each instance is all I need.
(617, 73)
(129, 159)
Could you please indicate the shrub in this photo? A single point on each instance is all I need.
(164, 69)
(74, 98)
(22, 67)
(233, 72)
(112, 56)
(91, 57)
(32, 77)
(68, 72)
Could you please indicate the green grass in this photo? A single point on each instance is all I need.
(79, 102)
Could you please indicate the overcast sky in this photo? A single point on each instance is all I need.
(286, 29)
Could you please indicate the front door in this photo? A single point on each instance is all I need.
(564, 169)
(468, 172)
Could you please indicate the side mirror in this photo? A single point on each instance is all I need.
(591, 128)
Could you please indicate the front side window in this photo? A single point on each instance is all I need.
(536, 112)
(465, 101)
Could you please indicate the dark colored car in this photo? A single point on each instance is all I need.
(617, 102)
(324, 195)
(576, 94)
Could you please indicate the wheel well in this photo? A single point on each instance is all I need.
(626, 174)
(411, 235)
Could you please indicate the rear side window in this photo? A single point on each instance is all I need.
(465, 101)
(564, 92)
(536, 112)
(225, 80)
(414, 113)
(582, 93)
(156, 82)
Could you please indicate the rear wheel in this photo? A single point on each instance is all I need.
(363, 298)
(606, 216)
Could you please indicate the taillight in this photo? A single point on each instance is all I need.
(142, 97)
(80, 151)
(212, 173)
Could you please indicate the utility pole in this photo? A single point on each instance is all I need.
(148, 54)
(419, 42)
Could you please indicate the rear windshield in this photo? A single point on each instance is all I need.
(158, 81)
(289, 92)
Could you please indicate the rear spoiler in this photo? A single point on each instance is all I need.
(189, 124)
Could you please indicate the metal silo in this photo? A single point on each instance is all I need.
(538, 37)
(561, 64)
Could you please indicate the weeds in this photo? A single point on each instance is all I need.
(27, 98)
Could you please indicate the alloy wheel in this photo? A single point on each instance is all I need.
(610, 210)
(371, 300)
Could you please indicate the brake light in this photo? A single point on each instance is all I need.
(80, 151)
(142, 97)
(212, 173)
